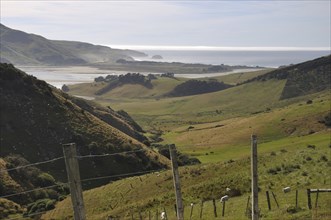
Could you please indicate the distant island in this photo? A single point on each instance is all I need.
(157, 57)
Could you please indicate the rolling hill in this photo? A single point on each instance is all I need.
(20, 48)
(36, 119)
(293, 147)
(294, 141)
(221, 120)
(303, 78)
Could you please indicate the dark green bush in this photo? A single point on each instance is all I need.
(45, 179)
(40, 206)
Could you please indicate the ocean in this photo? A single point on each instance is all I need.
(57, 76)
(248, 58)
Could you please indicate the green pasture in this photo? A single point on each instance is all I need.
(304, 164)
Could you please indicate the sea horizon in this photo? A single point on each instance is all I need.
(215, 48)
(244, 56)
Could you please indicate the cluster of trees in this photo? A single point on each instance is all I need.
(133, 78)
(108, 78)
(194, 87)
(129, 78)
(169, 75)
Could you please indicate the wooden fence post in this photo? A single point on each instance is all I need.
(316, 201)
(215, 209)
(268, 200)
(223, 209)
(175, 173)
(274, 196)
(255, 195)
(201, 209)
(70, 156)
(309, 199)
(191, 212)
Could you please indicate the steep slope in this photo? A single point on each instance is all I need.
(21, 48)
(37, 119)
(302, 79)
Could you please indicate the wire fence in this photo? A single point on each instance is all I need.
(95, 178)
(112, 154)
(34, 190)
(235, 208)
(31, 164)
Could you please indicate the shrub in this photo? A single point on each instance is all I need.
(311, 146)
(65, 88)
(324, 158)
(292, 209)
(40, 206)
(309, 158)
(291, 168)
(274, 170)
(45, 179)
(52, 194)
(327, 120)
(234, 192)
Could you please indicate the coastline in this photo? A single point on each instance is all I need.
(59, 75)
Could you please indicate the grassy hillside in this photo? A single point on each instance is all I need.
(21, 48)
(297, 166)
(37, 119)
(302, 79)
(168, 113)
(160, 86)
(237, 78)
(293, 145)
(223, 139)
(218, 121)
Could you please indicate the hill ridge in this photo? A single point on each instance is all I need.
(21, 48)
(304, 78)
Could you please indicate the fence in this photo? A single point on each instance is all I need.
(275, 202)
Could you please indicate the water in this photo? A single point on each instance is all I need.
(248, 58)
(57, 76)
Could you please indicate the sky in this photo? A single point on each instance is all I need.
(269, 24)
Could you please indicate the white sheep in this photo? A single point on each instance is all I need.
(163, 215)
(286, 189)
(225, 198)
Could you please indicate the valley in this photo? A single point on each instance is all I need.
(293, 146)
(124, 121)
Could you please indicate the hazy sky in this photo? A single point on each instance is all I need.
(188, 23)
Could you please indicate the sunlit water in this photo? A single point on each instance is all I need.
(58, 76)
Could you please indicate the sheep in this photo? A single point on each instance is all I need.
(163, 215)
(225, 198)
